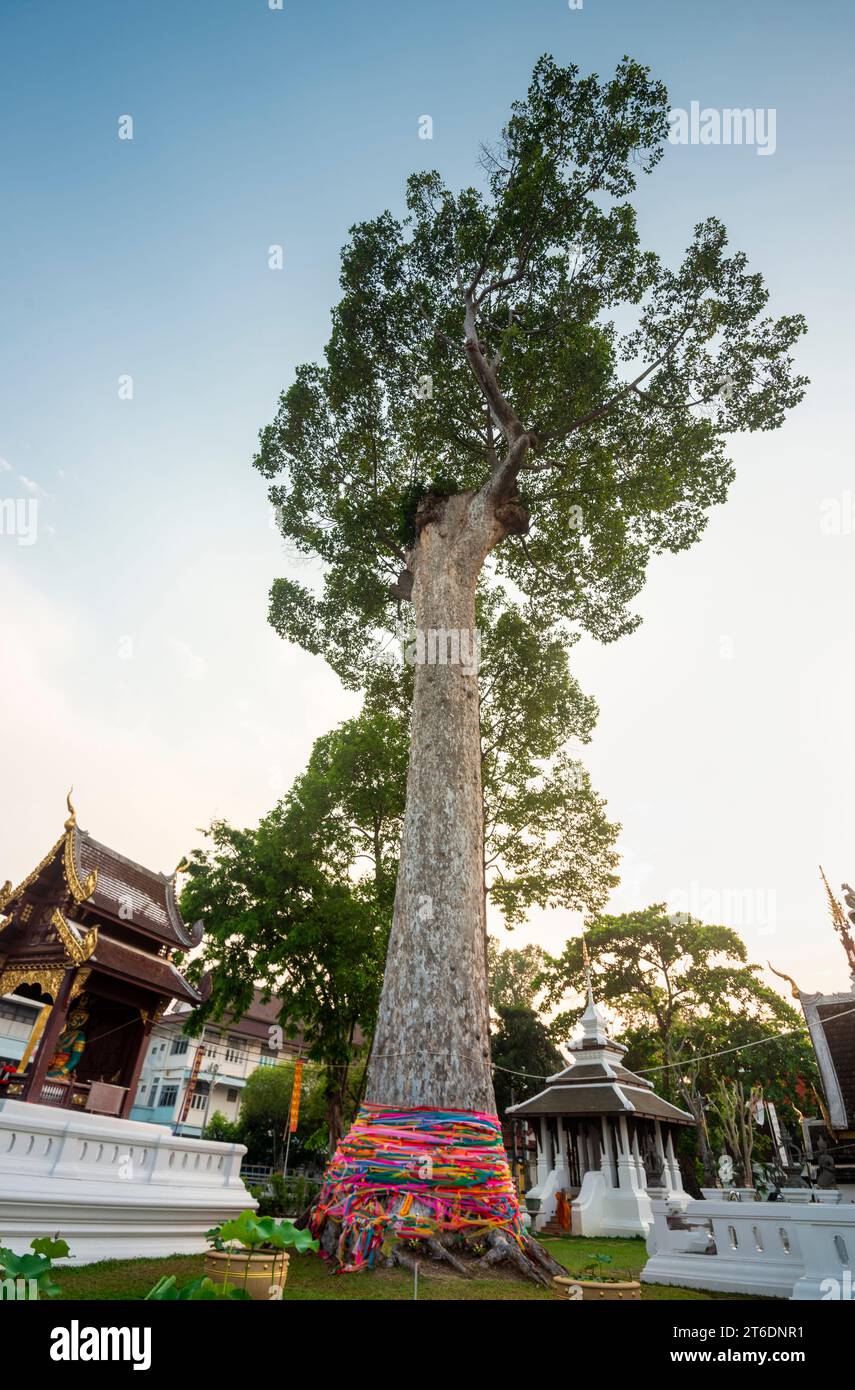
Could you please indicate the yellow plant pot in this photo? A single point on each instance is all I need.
(598, 1290)
(262, 1275)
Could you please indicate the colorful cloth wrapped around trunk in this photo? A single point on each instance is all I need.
(448, 1168)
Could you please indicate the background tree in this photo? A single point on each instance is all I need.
(523, 1054)
(275, 919)
(683, 990)
(516, 975)
(479, 414)
(265, 1115)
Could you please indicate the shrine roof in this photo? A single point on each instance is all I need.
(608, 1098)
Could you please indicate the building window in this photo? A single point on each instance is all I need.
(232, 1095)
(235, 1049)
(18, 1013)
(168, 1095)
(265, 1061)
(200, 1096)
(179, 1047)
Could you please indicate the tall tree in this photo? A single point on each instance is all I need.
(479, 414)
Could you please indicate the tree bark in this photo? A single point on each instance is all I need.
(432, 1041)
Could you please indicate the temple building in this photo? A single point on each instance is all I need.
(605, 1140)
(831, 1023)
(89, 937)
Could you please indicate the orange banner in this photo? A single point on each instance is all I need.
(191, 1084)
(295, 1095)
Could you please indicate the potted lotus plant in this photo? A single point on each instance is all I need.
(251, 1253)
(599, 1284)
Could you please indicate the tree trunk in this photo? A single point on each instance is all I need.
(431, 1046)
(432, 1041)
(335, 1116)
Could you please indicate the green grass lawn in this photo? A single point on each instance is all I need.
(309, 1278)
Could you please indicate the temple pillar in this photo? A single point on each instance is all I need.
(581, 1153)
(627, 1178)
(561, 1161)
(606, 1167)
(50, 1038)
(35, 1036)
(641, 1175)
(543, 1164)
(133, 1082)
(673, 1165)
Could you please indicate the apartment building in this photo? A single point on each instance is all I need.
(232, 1050)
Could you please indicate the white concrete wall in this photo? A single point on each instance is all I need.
(114, 1189)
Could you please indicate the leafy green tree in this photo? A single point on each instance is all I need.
(523, 1054)
(277, 920)
(516, 976)
(480, 416)
(265, 1115)
(222, 1129)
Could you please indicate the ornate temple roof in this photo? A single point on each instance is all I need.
(831, 1021)
(85, 904)
(140, 967)
(127, 891)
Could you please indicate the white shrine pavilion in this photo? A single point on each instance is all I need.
(605, 1140)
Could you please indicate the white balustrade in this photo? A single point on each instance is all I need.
(112, 1188)
(780, 1249)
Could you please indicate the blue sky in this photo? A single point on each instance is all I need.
(138, 662)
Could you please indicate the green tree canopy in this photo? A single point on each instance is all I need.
(479, 344)
(516, 975)
(523, 1054)
(274, 918)
(682, 989)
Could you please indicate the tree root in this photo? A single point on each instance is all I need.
(536, 1252)
(532, 1262)
(462, 1253)
(503, 1248)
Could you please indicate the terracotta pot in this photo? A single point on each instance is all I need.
(599, 1290)
(263, 1275)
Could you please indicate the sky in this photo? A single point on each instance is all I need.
(144, 340)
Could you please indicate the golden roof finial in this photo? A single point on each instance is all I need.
(72, 814)
(841, 923)
(585, 957)
(182, 867)
(796, 992)
(836, 910)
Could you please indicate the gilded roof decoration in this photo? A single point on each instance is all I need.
(78, 946)
(8, 894)
(80, 889)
